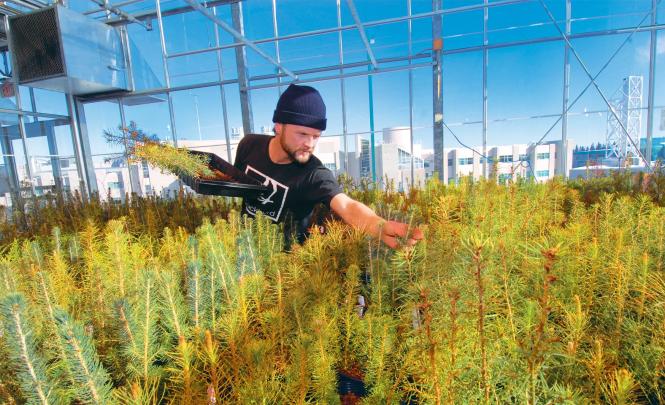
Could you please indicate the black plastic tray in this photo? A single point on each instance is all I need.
(242, 186)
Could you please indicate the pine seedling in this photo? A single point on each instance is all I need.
(140, 146)
(138, 320)
(183, 373)
(93, 382)
(172, 303)
(31, 367)
(620, 390)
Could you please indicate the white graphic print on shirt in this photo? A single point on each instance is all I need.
(271, 202)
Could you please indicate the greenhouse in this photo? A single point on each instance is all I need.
(332, 202)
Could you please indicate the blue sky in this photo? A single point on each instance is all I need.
(523, 81)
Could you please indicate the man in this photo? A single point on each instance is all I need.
(298, 180)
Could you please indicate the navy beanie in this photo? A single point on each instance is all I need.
(301, 105)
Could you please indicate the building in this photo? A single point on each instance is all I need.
(541, 162)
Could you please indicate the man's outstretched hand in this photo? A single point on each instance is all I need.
(392, 232)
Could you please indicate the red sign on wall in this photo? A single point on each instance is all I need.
(7, 89)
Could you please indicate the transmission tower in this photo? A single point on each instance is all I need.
(627, 104)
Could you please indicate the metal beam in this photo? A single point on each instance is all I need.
(120, 13)
(342, 89)
(243, 76)
(346, 75)
(84, 163)
(652, 79)
(237, 35)
(361, 31)
(485, 62)
(150, 14)
(437, 89)
(222, 94)
(566, 94)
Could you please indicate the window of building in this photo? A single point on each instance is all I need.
(542, 156)
(543, 173)
(465, 161)
(506, 158)
(524, 157)
(450, 162)
(504, 177)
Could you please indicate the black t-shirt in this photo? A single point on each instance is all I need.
(295, 188)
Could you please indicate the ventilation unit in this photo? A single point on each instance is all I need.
(58, 49)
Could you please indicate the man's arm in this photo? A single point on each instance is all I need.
(364, 218)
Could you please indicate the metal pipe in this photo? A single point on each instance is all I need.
(361, 31)
(485, 63)
(119, 12)
(340, 49)
(437, 90)
(566, 94)
(413, 171)
(239, 37)
(276, 34)
(162, 41)
(120, 4)
(652, 79)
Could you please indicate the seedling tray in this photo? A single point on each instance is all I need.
(239, 185)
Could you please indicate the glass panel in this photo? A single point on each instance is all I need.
(389, 40)
(331, 93)
(421, 6)
(108, 159)
(51, 155)
(147, 180)
(13, 167)
(456, 152)
(146, 53)
(150, 113)
(330, 151)
(369, 10)
(632, 60)
(263, 107)
(257, 19)
(257, 65)
(194, 69)
(462, 29)
(322, 14)
(187, 32)
(234, 116)
(359, 157)
(463, 87)
(199, 117)
(523, 21)
(310, 52)
(357, 104)
(523, 82)
(224, 14)
(421, 36)
(610, 14)
(353, 47)
(391, 103)
(50, 102)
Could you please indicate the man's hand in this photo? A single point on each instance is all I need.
(362, 217)
(391, 231)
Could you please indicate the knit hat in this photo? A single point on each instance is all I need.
(301, 105)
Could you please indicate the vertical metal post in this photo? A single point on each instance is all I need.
(485, 63)
(370, 90)
(167, 78)
(123, 124)
(222, 92)
(243, 77)
(275, 32)
(341, 85)
(82, 151)
(21, 131)
(410, 40)
(652, 79)
(566, 95)
(437, 89)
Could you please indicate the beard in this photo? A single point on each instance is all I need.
(297, 155)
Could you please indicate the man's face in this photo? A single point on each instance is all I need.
(297, 141)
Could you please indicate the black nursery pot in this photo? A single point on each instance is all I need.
(240, 186)
(349, 388)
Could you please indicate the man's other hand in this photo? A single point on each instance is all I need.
(392, 232)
